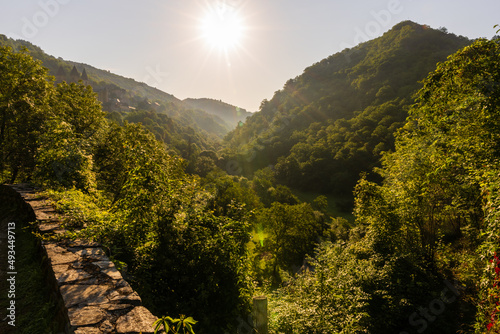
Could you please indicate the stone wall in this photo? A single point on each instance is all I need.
(94, 296)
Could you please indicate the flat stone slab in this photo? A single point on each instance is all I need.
(108, 268)
(49, 227)
(89, 330)
(78, 243)
(86, 316)
(119, 297)
(65, 274)
(136, 321)
(91, 253)
(45, 212)
(80, 294)
(59, 255)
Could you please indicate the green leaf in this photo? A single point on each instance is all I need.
(179, 326)
(189, 328)
(162, 321)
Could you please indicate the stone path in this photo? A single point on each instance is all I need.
(96, 297)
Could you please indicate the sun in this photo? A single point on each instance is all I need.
(222, 27)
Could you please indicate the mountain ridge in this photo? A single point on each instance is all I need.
(331, 123)
(100, 79)
(231, 114)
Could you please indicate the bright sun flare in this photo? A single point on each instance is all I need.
(222, 27)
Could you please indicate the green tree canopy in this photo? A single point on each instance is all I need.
(24, 110)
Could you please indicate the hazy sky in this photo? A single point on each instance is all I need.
(240, 51)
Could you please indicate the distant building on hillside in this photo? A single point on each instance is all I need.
(84, 77)
(73, 77)
(61, 74)
(103, 95)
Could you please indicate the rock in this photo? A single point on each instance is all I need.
(78, 243)
(89, 330)
(80, 294)
(49, 227)
(116, 307)
(107, 327)
(108, 268)
(132, 298)
(86, 316)
(59, 255)
(136, 321)
(65, 274)
(90, 253)
(121, 283)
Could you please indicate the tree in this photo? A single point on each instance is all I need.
(24, 111)
(77, 105)
(65, 155)
(64, 161)
(230, 197)
(329, 299)
(292, 231)
(127, 151)
(438, 183)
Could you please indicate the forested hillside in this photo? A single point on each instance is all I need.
(232, 115)
(423, 255)
(180, 125)
(96, 75)
(333, 121)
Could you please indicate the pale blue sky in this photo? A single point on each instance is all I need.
(159, 41)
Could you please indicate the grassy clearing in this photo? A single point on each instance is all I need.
(338, 206)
